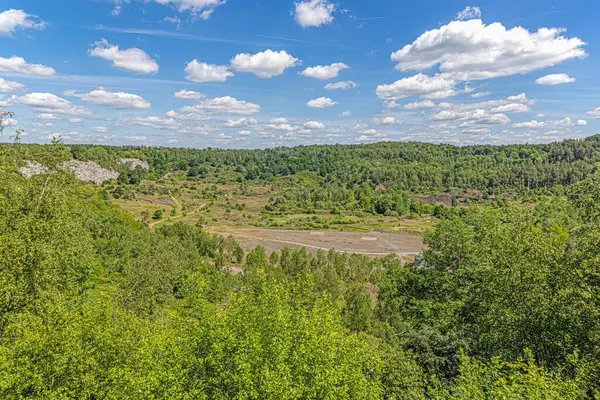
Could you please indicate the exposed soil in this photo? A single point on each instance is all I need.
(373, 244)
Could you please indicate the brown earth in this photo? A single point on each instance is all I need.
(373, 244)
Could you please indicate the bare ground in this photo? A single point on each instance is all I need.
(373, 244)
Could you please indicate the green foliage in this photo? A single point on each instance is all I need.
(498, 380)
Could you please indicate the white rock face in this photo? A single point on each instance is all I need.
(134, 163)
(89, 171)
(32, 168)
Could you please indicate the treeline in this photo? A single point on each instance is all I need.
(414, 167)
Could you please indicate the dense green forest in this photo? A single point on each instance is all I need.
(505, 304)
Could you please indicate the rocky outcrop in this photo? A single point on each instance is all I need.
(89, 171)
(32, 168)
(133, 163)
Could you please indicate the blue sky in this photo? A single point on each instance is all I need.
(251, 74)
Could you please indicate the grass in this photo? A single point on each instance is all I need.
(237, 205)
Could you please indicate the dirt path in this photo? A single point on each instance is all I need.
(373, 244)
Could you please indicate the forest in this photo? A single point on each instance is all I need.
(504, 303)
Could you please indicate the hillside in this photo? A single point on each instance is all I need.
(103, 300)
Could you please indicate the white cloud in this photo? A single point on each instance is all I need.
(314, 13)
(100, 129)
(10, 86)
(346, 113)
(11, 20)
(387, 121)
(371, 136)
(134, 59)
(471, 50)
(278, 121)
(479, 117)
(314, 125)
(566, 122)
(18, 64)
(9, 122)
(522, 97)
(116, 11)
(266, 64)
(285, 127)
(321, 102)
(173, 20)
(469, 12)
(244, 133)
(554, 79)
(202, 8)
(324, 71)
(595, 113)
(341, 85)
(103, 97)
(196, 71)
(511, 108)
(436, 87)
(137, 138)
(239, 123)
(189, 94)
(420, 104)
(48, 116)
(152, 122)
(49, 103)
(75, 120)
(223, 105)
(480, 94)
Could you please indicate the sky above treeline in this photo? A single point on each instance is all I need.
(269, 73)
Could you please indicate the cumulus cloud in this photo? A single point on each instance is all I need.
(189, 94)
(103, 97)
(479, 116)
(11, 20)
(324, 71)
(266, 64)
(314, 13)
(244, 132)
(341, 85)
(511, 108)
(469, 12)
(155, 122)
(202, 8)
(49, 103)
(281, 126)
(314, 125)
(387, 121)
(436, 87)
(223, 105)
(321, 102)
(49, 116)
(241, 122)
(18, 64)
(100, 129)
(196, 71)
(554, 79)
(471, 50)
(595, 113)
(566, 122)
(420, 104)
(9, 122)
(10, 86)
(134, 59)
(346, 113)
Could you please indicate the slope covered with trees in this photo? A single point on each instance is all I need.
(504, 304)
